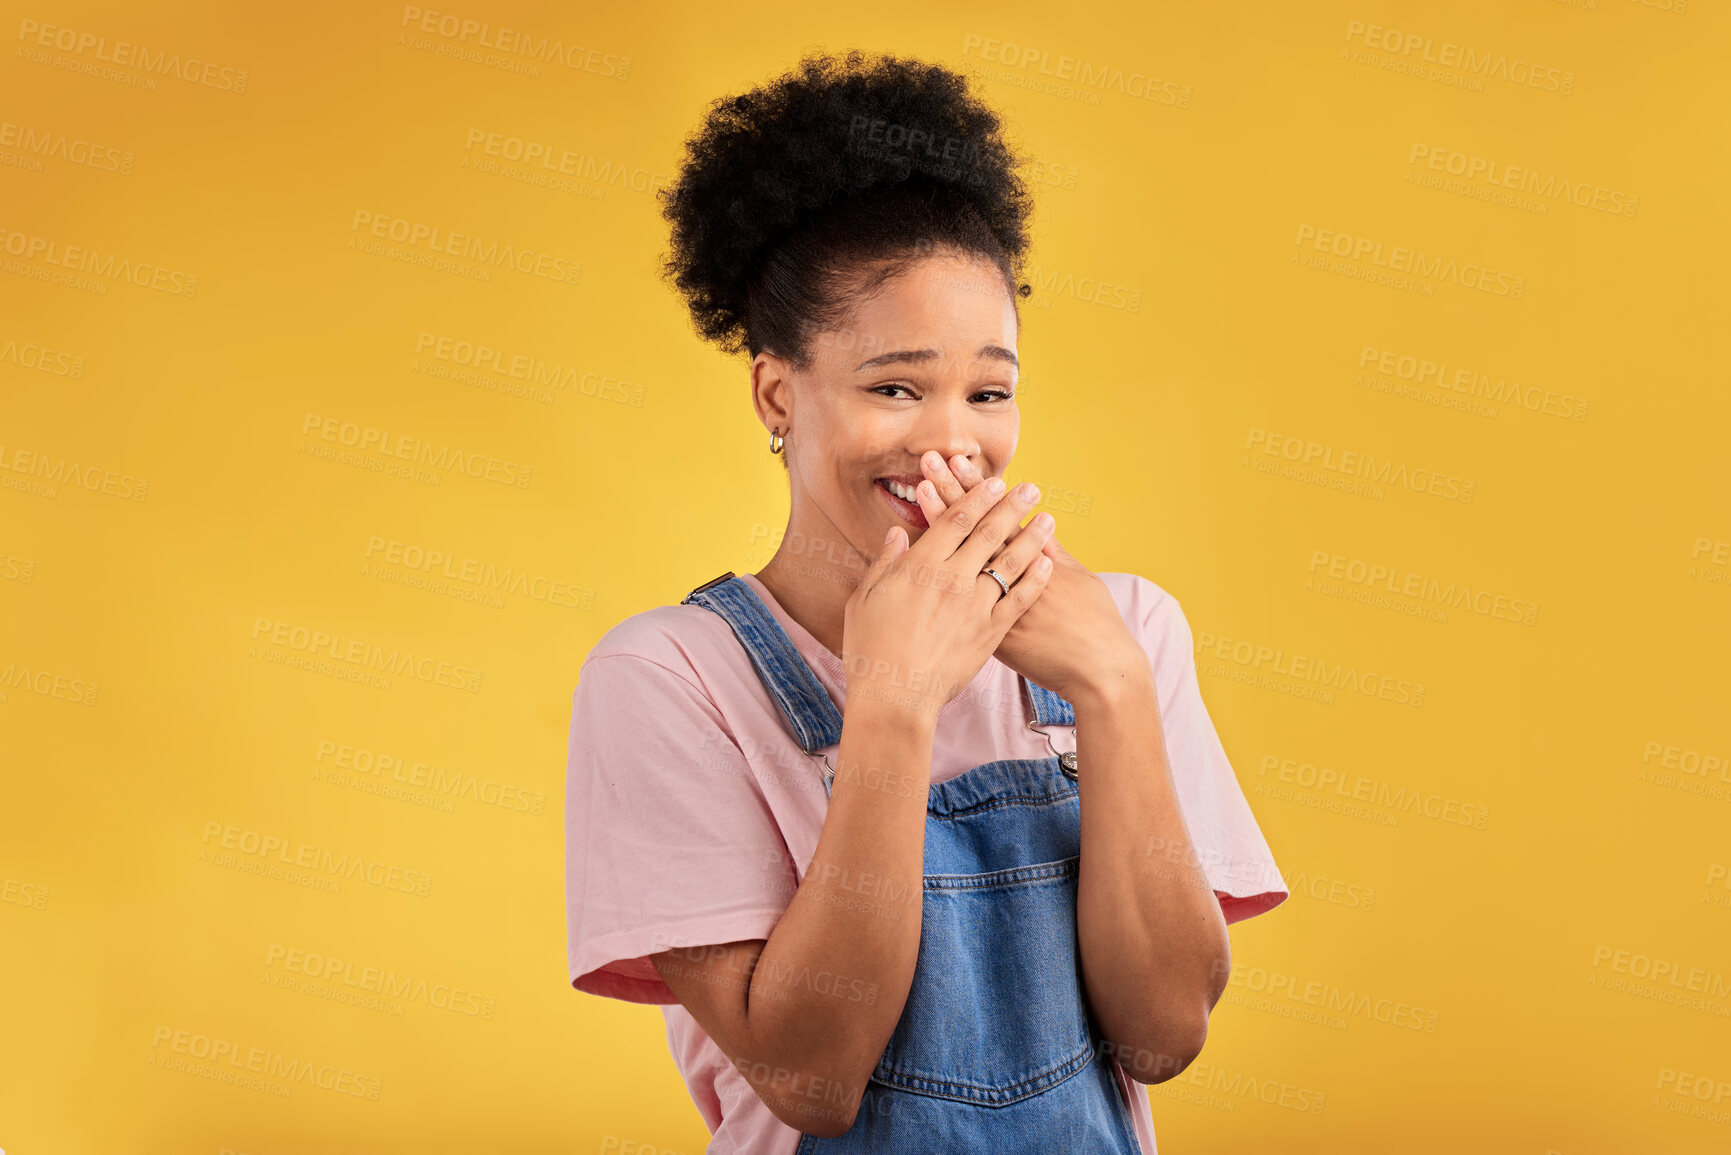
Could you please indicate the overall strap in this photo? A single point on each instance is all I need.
(804, 702)
(809, 709)
(1049, 708)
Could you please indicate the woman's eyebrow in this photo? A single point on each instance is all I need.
(904, 356)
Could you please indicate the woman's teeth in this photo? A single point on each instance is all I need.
(905, 492)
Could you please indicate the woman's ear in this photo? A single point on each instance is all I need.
(772, 392)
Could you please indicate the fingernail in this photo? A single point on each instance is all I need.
(1028, 492)
(995, 484)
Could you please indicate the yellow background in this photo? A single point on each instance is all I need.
(1579, 738)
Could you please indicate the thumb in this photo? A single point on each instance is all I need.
(895, 544)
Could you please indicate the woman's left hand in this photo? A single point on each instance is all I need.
(1073, 641)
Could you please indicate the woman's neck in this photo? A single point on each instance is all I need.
(813, 586)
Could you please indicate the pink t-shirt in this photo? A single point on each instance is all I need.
(692, 814)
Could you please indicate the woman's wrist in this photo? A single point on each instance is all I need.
(893, 710)
(1113, 685)
(893, 706)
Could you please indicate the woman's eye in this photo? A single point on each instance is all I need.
(992, 395)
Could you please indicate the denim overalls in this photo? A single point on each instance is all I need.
(996, 1050)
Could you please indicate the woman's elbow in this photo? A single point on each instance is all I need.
(809, 1094)
(1163, 1051)
(824, 1108)
(824, 1123)
(813, 1078)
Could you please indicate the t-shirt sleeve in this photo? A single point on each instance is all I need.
(669, 841)
(1229, 843)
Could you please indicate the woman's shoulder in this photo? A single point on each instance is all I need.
(1141, 601)
(685, 639)
(1157, 620)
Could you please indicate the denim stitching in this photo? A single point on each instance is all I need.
(802, 699)
(985, 1094)
(1004, 879)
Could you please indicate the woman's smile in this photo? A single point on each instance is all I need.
(941, 381)
(906, 507)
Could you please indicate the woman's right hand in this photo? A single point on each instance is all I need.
(925, 618)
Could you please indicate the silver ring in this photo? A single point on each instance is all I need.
(999, 578)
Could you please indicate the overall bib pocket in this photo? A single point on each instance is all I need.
(995, 1013)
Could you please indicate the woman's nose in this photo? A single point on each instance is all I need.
(947, 431)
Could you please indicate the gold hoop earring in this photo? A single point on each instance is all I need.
(776, 441)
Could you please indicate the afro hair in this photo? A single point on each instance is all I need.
(797, 195)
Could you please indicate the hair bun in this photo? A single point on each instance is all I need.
(877, 140)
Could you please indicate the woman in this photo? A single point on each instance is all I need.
(921, 835)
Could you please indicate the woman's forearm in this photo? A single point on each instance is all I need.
(831, 981)
(1155, 953)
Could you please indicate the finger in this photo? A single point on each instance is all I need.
(970, 476)
(1019, 554)
(895, 544)
(938, 473)
(966, 471)
(955, 524)
(933, 506)
(1022, 595)
(996, 527)
(1016, 533)
(1024, 548)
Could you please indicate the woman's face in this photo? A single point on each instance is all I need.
(925, 363)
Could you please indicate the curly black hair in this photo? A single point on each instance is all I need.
(797, 196)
